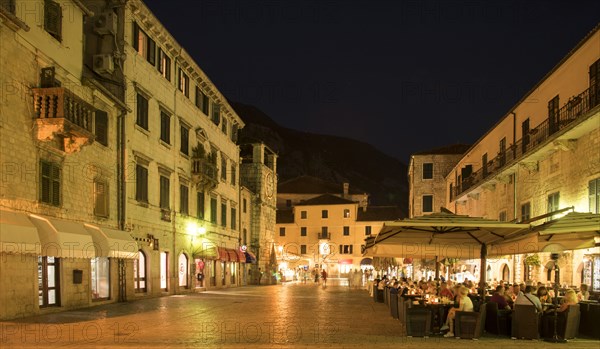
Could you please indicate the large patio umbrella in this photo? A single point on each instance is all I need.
(441, 235)
(573, 231)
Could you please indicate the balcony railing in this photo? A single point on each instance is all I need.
(574, 109)
(204, 173)
(324, 236)
(59, 111)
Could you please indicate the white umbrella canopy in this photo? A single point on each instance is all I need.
(573, 231)
(440, 234)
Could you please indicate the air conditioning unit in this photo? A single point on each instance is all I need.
(104, 64)
(106, 23)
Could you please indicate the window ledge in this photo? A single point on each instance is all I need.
(142, 130)
(164, 144)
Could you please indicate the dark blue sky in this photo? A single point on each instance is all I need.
(404, 76)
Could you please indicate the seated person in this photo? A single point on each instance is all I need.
(445, 291)
(583, 294)
(569, 299)
(498, 298)
(542, 294)
(528, 298)
(464, 304)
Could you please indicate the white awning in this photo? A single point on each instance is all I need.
(18, 234)
(113, 243)
(64, 239)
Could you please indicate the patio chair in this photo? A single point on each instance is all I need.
(497, 321)
(525, 322)
(418, 322)
(470, 324)
(393, 300)
(567, 323)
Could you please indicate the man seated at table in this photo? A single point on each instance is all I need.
(445, 291)
(528, 298)
(464, 304)
(498, 298)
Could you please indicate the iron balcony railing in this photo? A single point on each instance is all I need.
(204, 172)
(574, 109)
(324, 236)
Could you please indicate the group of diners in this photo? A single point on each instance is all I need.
(463, 295)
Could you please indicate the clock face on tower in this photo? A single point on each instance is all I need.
(269, 185)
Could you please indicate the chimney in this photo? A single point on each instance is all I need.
(346, 189)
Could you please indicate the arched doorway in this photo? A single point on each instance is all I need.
(505, 273)
(183, 270)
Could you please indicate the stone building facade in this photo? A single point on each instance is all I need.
(542, 157)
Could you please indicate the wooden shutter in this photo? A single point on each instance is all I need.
(136, 37)
(100, 199)
(101, 127)
(151, 54)
(53, 19)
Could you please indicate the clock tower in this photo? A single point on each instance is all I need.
(259, 175)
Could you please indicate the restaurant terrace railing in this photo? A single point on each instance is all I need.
(575, 108)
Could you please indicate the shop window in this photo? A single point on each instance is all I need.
(139, 272)
(183, 270)
(164, 270)
(48, 281)
(100, 268)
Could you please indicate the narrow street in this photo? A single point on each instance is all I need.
(291, 315)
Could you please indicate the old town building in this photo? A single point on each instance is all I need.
(325, 228)
(539, 161)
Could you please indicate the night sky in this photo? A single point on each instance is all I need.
(404, 76)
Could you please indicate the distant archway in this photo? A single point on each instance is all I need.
(505, 273)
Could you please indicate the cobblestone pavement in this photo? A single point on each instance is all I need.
(291, 315)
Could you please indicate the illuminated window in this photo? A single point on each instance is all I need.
(139, 272)
(164, 270)
(48, 281)
(144, 46)
(346, 213)
(164, 64)
(100, 278)
(184, 83)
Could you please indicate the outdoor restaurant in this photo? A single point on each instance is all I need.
(429, 295)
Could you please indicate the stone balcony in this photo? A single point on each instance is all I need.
(204, 173)
(62, 117)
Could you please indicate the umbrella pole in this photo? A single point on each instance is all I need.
(437, 268)
(483, 270)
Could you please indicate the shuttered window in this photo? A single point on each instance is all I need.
(53, 19)
(141, 183)
(216, 114)
(200, 205)
(213, 210)
(164, 64)
(164, 192)
(50, 183)
(142, 112)
(101, 127)
(594, 195)
(224, 214)
(165, 127)
(185, 140)
(233, 218)
(183, 199)
(100, 198)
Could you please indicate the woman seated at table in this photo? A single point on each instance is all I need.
(542, 294)
(583, 294)
(569, 299)
(464, 304)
